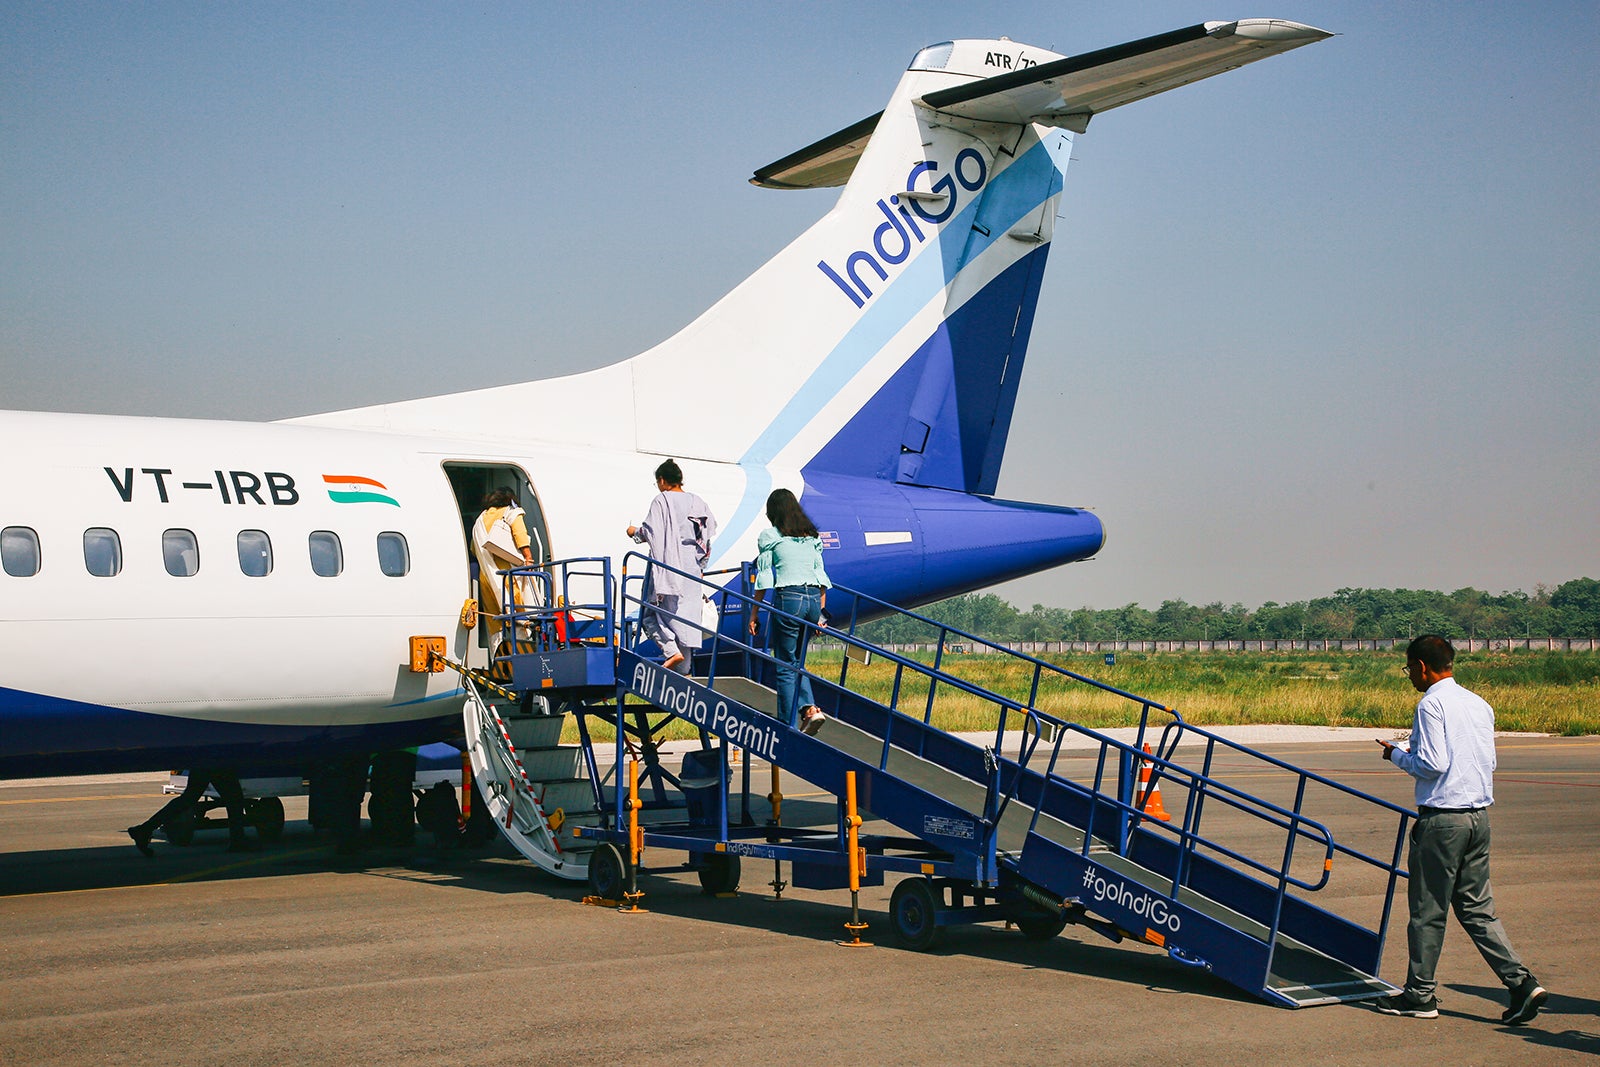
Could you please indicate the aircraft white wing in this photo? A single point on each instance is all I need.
(1068, 92)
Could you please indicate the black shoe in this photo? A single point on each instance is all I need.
(1526, 1000)
(1409, 1006)
(141, 841)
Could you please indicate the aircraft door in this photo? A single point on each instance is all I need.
(472, 482)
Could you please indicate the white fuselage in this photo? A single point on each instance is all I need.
(289, 648)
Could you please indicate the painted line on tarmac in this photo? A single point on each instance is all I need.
(79, 800)
(1551, 781)
(254, 861)
(179, 879)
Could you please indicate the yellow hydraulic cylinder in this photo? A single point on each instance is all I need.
(775, 798)
(635, 840)
(858, 862)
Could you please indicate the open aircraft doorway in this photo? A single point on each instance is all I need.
(471, 483)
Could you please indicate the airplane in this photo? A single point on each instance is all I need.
(180, 593)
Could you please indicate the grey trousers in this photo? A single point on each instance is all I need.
(1450, 870)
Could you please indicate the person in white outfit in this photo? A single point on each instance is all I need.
(678, 531)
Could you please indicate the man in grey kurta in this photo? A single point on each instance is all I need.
(678, 531)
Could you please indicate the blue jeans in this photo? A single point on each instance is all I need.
(789, 640)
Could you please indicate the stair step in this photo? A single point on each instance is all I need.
(534, 731)
(572, 795)
(549, 764)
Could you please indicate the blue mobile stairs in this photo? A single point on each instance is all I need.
(1039, 823)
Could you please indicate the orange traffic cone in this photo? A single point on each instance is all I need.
(1148, 797)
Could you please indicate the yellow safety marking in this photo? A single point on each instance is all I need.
(475, 677)
(1158, 940)
(253, 862)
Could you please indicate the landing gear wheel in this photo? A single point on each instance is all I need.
(719, 873)
(179, 830)
(608, 872)
(913, 911)
(1040, 926)
(266, 815)
(479, 829)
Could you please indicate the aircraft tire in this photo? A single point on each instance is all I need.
(479, 829)
(179, 830)
(266, 815)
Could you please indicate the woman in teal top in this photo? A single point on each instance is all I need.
(789, 562)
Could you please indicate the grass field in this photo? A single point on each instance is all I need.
(1533, 692)
(1552, 693)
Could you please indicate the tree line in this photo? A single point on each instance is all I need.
(1571, 609)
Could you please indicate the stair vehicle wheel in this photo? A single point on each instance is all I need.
(719, 873)
(179, 830)
(608, 872)
(266, 815)
(1040, 925)
(913, 911)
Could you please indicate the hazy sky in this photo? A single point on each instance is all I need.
(1331, 320)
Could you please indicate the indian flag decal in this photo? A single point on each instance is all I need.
(354, 489)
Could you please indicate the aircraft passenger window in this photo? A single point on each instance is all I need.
(255, 553)
(181, 552)
(394, 556)
(19, 551)
(102, 552)
(327, 555)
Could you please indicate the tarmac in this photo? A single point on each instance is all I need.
(399, 956)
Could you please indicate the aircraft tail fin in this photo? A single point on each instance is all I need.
(887, 341)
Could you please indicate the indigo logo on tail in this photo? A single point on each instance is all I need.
(892, 239)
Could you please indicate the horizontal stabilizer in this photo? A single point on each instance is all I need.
(1064, 92)
(828, 162)
(1067, 92)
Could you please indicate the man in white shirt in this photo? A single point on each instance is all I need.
(1451, 755)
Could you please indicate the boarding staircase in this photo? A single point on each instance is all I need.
(1040, 825)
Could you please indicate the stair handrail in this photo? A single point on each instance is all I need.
(541, 619)
(1296, 823)
(1178, 723)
